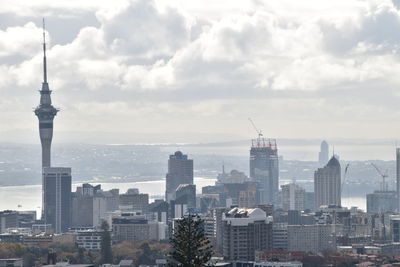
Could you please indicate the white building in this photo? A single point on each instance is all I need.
(311, 238)
(293, 197)
(90, 240)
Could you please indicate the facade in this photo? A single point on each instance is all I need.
(381, 202)
(8, 219)
(134, 201)
(279, 234)
(327, 184)
(395, 229)
(180, 171)
(311, 238)
(264, 169)
(323, 155)
(244, 232)
(293, 197)
(57, 198)
(185, 194)
(130, 229)
(90, 240)
(11, 262)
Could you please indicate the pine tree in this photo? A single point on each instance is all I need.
(106, 252)
(190, 246)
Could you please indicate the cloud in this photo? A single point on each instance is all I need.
(182, 66)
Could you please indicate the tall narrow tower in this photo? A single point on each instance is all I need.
(45, 112)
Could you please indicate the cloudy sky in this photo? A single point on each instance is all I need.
(192, 71)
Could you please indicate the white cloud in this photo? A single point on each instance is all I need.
(183, 66)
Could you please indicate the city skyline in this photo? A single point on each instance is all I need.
(117, 77)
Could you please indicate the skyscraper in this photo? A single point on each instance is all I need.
(180, 171)
(398, 177)
(57, 198)
(45, 113)
(327, 185)
(323, 154)
(264, 168)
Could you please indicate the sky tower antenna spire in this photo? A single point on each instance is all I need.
(44, 54)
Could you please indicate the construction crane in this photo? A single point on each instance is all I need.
(259, 132)
(384, 176)
(344, 177)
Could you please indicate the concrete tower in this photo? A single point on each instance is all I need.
(323, 154)
(45, 112)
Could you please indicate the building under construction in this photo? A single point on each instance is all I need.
(264, 168)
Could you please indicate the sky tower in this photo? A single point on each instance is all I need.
(45, 112)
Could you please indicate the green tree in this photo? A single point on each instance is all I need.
(106, 252)
(190, 246)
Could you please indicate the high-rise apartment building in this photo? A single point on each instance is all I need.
(323, 155)
(57, 198)
(293, 197)
(244, 232)
(327, 184)
(180, 171)
(264, 168)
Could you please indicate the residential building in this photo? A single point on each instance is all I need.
(244, 232)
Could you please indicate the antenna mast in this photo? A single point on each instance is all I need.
(44, 54)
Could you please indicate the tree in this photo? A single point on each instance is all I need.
(106, 252)
(190, 246)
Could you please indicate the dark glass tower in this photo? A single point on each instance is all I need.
(180, 171)
(57, 198)
(264, 168)
(45, 113)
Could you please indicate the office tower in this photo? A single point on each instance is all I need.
(180, 171)
(323, 154)
(327, 185)
(90, 204)
(45, 113)
(133, 200)
(8, 219)
(57, 198)
(186, 194)
(264, 168)
(293, 197)
(244, 232)
(381, 202)
(398, 178)
(311, 238)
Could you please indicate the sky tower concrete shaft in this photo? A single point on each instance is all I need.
(45, 113)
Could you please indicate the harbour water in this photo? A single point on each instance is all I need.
(29, 197)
